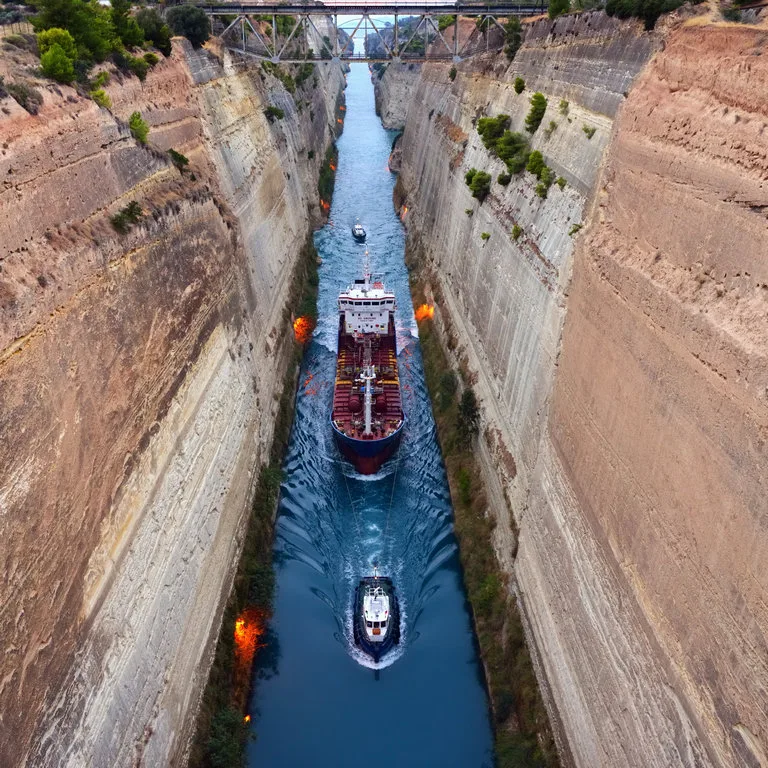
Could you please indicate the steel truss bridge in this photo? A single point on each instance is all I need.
(297, 33)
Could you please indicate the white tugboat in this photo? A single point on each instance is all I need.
(358, 232)
(376, 620)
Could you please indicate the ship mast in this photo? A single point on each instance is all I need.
(368, 375)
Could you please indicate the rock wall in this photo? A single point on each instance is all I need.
(623, 383)
(137, 383)
(393, 87)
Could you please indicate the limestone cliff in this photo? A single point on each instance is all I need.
(393, 86)
(137, 376)
(623, 382)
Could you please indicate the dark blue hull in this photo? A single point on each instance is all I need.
(368, 455)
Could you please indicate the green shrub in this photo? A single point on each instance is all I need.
(443, 22)
(311, 154)
(517, 230)
(151, 59)
(535, 163)
(589, 130)
(546, 179)
(56, 36)
(191, 22)
(485, 236)
(561, 182)
(124, 219)
(179, 160)
(452, 73)
(491, 129)
(464, 481)
(513, 36)
(126, 27)
(504, 179)
(536, 114)
(225, 744)
(558, 7)
(574, 229)
(469, 211)
(101, 79)
(89, 23)
(306, 71)
(468, 415)
(139, 128)
(139, 66)
(57, 65)
(327, 179)
(519, 85)
(513, 149)
(274, 113)
(101, 97)
(479, 183)
(550, 129)
(647, 10)
(19, 41)
(447, 389)
(155, 30)
(26, 96)
(563, 107)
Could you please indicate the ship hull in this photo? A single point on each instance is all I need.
(367, 456)
(376, 649)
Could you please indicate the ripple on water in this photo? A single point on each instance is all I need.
(314, 694)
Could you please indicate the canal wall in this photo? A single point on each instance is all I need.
(139, 378)
(617, 346)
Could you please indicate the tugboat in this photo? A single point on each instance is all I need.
(358, 232)
(376, 618)
(367, 417)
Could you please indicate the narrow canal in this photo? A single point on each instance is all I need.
(316, 699)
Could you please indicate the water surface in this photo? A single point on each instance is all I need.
(317, 700)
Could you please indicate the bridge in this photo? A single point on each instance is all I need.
(296, 33)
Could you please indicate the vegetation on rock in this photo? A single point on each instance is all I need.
(155, 30)
(517, 230)
(513, 37)
(519, 85)
(479, 183)
(139, 127)
(536, 114)
(124, 219)
(274, 113)
(191, 22)
(647, 10)
(558, 7)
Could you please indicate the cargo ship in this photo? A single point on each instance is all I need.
(367, 416)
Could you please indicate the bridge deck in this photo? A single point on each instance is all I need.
(378, 8)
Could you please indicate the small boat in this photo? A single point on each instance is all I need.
(376, 619)
(358, 232)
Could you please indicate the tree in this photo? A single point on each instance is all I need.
(558, 7)
(190, 22)
(88, 22)
(155, 29)
(513, 36)
(535, 115)
(60, 37)
(519, 85)
(468, 417)
(139, 128)
(57, 65)
(126, 27)
(225, 744)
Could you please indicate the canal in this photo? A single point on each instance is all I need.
(316, 699)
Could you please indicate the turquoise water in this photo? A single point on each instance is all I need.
(316, 699)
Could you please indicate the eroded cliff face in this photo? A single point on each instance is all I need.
(623, 382)
(137, 383)
(393, 88)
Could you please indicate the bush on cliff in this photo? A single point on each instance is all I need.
(479, 183)
(25, 95)
(89, 23)
(468, 416)
(190, 22)
(491, 129)
(139, 127)
(101, 97)
(57, 36)
(647, 10)
(274, 113)
(513, 36)
(225, 744)
(57, 65)
(558, 7)
(536, 114)
(519, 85)
(124, 219)
(155, 30)
(126, 27)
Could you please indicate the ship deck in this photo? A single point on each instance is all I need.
(387, 410)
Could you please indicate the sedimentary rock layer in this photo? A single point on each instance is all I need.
(137, 376)
(631, 444)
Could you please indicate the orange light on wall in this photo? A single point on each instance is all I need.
(332, 166)
(325, 206)
(403, 211)
(247, 719)
(249, 627)
(302, 329)
(340, 121)
(342, 109)
(425, 312)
